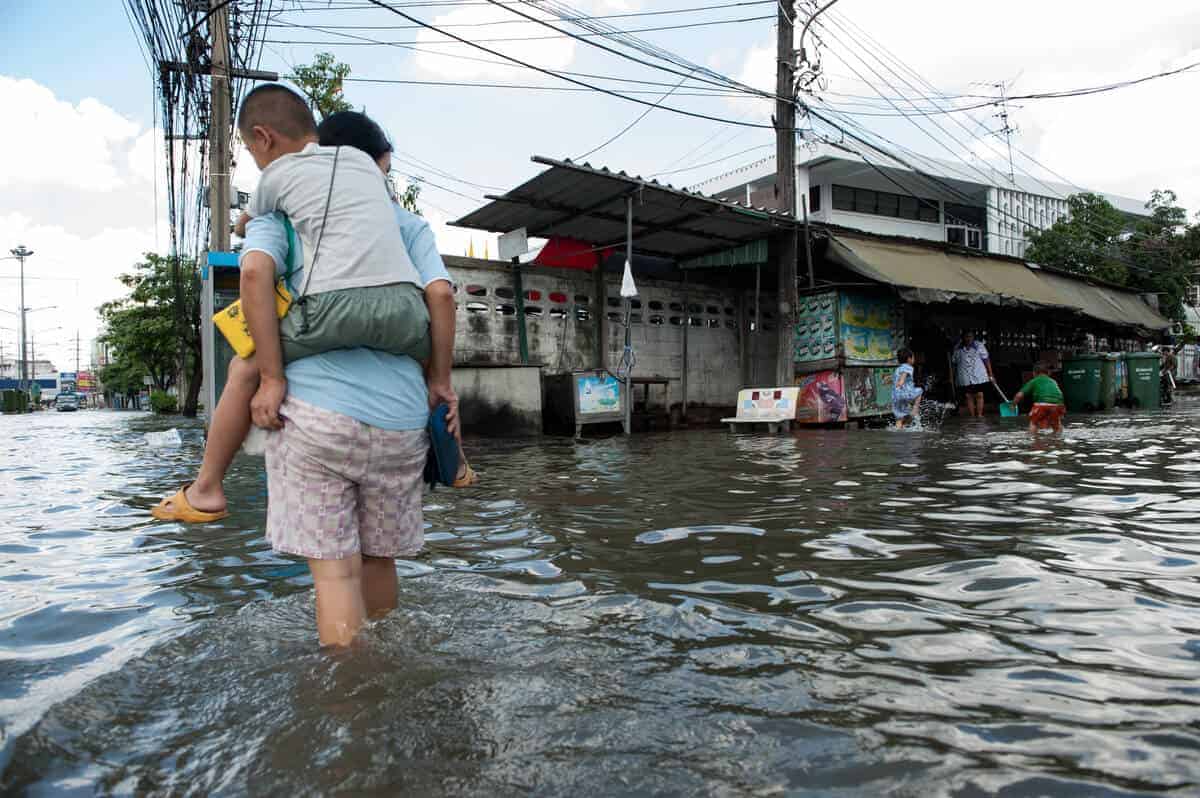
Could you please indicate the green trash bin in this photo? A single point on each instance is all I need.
(1143, 368)
(1081, 382)
(1108, 381)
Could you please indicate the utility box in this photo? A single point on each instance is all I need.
(583, 397)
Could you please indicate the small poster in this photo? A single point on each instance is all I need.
(871, 328)
(816, 335)
(822, 399)
(868, 391)
(598, 394)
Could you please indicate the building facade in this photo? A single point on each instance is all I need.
(972, 207)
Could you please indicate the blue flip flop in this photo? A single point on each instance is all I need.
(441, 466)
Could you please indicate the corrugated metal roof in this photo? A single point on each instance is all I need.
(588, 204)
(935, 274)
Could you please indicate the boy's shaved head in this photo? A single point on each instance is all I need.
(279, 108)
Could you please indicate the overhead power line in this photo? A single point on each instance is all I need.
(504, 39)
(630, 126)
(560, 76)
(691, 10)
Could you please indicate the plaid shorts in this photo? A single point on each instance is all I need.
(337, 487)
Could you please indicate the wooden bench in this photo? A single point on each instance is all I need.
(773, 407)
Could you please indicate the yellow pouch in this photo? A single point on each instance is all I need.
(232, 323)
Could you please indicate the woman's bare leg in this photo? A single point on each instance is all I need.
(340, 609)
(380, 588)
(230, 423)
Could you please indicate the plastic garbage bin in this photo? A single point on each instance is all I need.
(1081, 382)
(1108, 381)
(1143, 368)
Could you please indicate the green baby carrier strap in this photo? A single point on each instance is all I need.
(293, 253)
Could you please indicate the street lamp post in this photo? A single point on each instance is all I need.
(21, 252)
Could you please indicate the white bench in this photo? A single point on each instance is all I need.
(774, 407)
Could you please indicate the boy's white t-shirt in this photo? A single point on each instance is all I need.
(362, 245)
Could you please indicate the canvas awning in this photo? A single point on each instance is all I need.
(927, 274)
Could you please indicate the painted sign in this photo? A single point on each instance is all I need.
(868, 390)
(822, 399)
(816, 334)
(870, 328)
(86, 382)
(598, 394)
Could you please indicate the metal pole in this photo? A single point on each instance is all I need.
(519, 290)
(683, 369)
(21, 252)
(600, 308)
(24, 383)
(812, 282)
(628, 357)
(757, 320)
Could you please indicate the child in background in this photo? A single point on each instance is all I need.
(906, 396)
(1048, 408)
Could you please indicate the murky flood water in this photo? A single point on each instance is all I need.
(837, 613)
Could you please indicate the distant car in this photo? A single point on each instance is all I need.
(66, 401)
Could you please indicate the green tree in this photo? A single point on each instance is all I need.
(154, 330)
(1164, 250)
(408, 197)
(1087, 241)
(321, 81)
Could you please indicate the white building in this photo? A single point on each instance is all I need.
(978, 208)
(36, 369)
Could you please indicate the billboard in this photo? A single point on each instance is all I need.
(85, 382)
(822, 399)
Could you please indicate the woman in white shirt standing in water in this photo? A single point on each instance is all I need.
(972, 371)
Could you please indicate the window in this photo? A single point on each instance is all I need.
(843, 198)
(956, 235)
(864, 200)
(883, 203)
(974, 239)
(814, 199)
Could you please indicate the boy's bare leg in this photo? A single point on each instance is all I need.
(230, 423)
(340, 609)
(380, 589)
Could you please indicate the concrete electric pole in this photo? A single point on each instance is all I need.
(21, 253)
(218, 128)
(785, 190)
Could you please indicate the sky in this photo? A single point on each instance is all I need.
(81, 172)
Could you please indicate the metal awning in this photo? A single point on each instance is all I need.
(928, 274)
(588, 204)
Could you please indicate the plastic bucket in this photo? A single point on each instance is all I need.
(1009, 410)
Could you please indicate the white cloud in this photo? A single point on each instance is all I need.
(1127, 142)
(451, 60)
(48, 142)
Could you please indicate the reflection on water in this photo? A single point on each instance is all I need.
(964, 612)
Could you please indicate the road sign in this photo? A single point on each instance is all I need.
(514, 244)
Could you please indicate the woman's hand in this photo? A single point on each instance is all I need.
(239, 227)
(264, 407)
(443, 392)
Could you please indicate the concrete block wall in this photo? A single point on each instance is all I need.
(561, 307)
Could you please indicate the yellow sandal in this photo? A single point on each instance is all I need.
(178, 508)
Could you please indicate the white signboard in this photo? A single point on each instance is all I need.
(514, 244)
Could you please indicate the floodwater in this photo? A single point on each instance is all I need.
(965, 612)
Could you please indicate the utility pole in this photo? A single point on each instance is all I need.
(218, 128)
(21, 253)
(785, 188)
(1007, 130)
(76, 353)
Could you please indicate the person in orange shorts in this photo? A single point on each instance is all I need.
(1048, 408)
